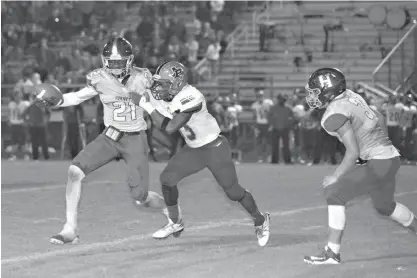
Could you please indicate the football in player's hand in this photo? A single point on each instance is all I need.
(48, 95)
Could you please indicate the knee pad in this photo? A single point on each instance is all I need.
(75, 173)
(333, 198)
(168, 178)
(385, 209)
(235, 193)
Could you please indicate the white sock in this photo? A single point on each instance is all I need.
(402, 215)
(337, 217)
(334, 247)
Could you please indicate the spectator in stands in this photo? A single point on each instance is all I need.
(177, 28)
(213, 55)
(260, 109)
(281, 120)
(16, 107)
(299, 111)
(37, 119)
(25, 85)
(221, 38)
(234, 109)
(44, 55)
(309, 127)
(192, 50)
(63, 61)
(227, 123)
(392, 111)
(324, 144)
(194, 25)
(173, 50)
(74, 121)
(145, 31)
(216, 6)
(215, 108)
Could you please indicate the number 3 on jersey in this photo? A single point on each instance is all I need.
(120, 110)
(189, 133)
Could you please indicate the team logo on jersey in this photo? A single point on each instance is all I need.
(186, 99)
(177, 72)
(325, 81)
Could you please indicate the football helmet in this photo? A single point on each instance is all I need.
(323, 86)
(168, 80)
(117, 57)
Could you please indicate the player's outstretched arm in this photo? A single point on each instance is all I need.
(76, 98)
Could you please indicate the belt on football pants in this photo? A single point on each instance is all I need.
(115, 134)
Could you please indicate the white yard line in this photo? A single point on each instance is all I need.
(51, 187)
(106, 244)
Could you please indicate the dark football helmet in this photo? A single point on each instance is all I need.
(323, 86)
(168, 80)
(117, 57)
(408, 98)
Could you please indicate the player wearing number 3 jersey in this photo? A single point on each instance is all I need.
(363, 132)
(175, 105)
(123, 137)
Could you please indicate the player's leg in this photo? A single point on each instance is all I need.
(384, 203)
(184, 163)
(134, 151)
(96, 154)
(358, 181)
(223, 169)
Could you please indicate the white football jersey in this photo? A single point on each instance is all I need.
(202, 128)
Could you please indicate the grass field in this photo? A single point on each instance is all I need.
(219, 240)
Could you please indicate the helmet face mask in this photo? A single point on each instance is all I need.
(119, 68)
(160, 88)
(312, 97)
(117, 57)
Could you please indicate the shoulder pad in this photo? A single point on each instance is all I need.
(93, 77)
(188, 98)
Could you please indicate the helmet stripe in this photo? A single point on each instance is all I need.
(160, 67)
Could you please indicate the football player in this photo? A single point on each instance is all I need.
(124, 135)
(363, 132)
(175, 105)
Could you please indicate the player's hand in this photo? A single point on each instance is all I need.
(329, 180)
(136, 97)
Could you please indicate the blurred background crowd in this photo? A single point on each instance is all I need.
(59, 42)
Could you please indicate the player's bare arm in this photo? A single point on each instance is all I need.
(340, 123)
(78, 97)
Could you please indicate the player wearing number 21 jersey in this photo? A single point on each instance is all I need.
(175, 105)
(124, 135)
(363, 132)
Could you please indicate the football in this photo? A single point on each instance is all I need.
(50, 93)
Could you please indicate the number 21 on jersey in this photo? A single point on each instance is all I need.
(121, 108)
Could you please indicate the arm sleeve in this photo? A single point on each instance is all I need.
(76, 98)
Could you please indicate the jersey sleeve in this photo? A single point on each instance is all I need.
(336, 116)
(187, 100)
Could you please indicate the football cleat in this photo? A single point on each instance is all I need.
(171, 228)
(60, 239)
(262, 231)
(326, 257)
